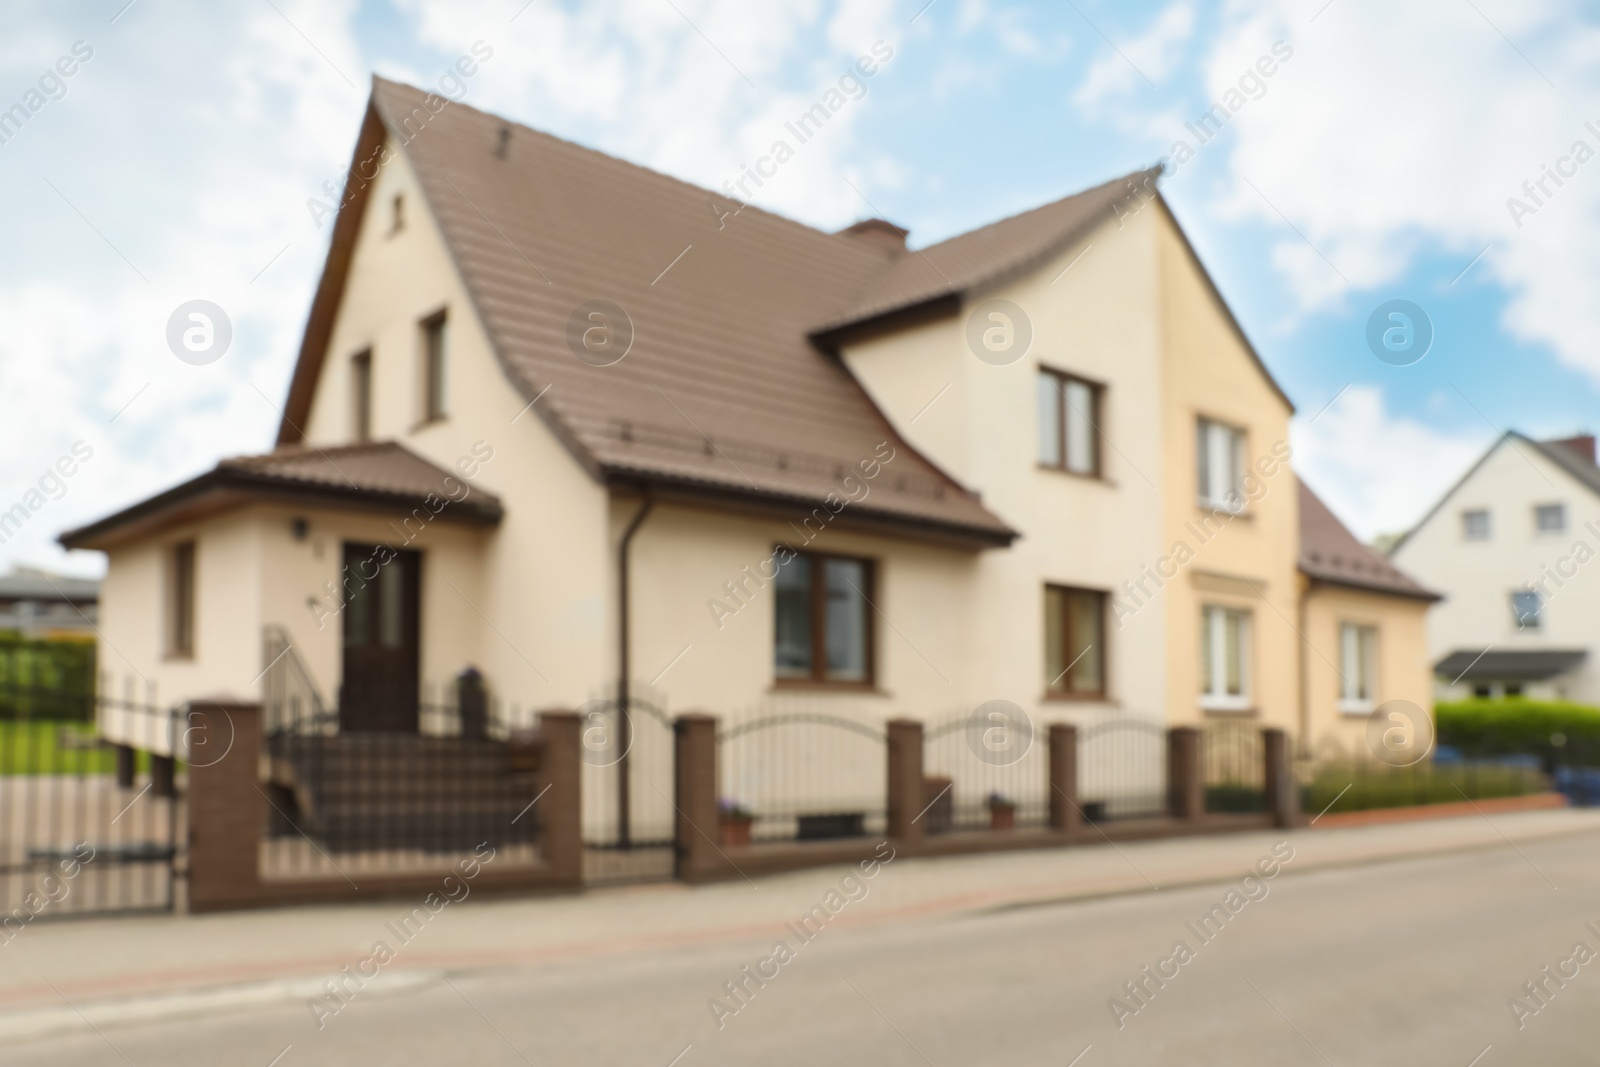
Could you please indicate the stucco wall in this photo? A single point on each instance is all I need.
(1207, 371)
(549, 557)
(1096, 321)
(1478, 577)
(1403, 671)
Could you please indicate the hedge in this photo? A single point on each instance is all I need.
(1554, 730)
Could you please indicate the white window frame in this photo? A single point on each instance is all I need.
(1488, 524)
(1358, 668)
(1215, 617)
(1219, 447)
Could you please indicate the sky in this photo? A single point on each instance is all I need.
(1397, 152)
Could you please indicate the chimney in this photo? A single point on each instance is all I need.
(880, 231)
(1583, 445)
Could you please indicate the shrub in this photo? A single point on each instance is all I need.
(1362, 787)
(1553, 730)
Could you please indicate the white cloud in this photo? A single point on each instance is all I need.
(1153, 54)
(1400, 128)
(1378, 472)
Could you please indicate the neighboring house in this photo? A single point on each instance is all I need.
(594, 430)
(1365, 624)
(1510, 545)
(39, 604)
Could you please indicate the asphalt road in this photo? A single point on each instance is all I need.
(1408, 963)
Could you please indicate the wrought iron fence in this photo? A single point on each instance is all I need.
(85, 827)
(1233, 767)
(1123, 769)
(790, 772)
(985, 770)
(343, 802)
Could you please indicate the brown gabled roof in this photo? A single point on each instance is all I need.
(723, 391)
(991, 254)
(1329, 552)
(381, 476)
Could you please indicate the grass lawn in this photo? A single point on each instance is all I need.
(53, 747)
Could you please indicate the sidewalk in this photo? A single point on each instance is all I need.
(288, 953)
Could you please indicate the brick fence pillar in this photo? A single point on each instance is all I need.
(225, 805)
(1186, 787)
(1065, 810)
(1282, 793)
(696, 854)
(905, 801)
(561, 810)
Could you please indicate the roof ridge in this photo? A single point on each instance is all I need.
(653, 172)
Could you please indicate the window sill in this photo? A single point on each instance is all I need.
(178, 657)
(822, 684)
(1097, 477)
(425, 423)
(1236, 709)
(1060, 697)
(1213, 507)
(1365, 707)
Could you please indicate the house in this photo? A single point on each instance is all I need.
(1365, 624)
(1509, 545)
(38, 604)
(591, 430)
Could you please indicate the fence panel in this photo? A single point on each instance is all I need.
(802, 775)
(1122, 770)
(74, 839)
(1233, 766)
(985, 770)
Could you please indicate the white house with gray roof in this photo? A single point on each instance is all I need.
(1514, 547)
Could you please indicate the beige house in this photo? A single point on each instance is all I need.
(591, 430)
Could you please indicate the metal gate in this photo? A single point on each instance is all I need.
(627, 789)
(85, 827)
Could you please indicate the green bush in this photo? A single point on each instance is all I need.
(1554, 730)
(46, 679)
(1367, 786)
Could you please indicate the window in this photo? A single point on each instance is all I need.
(1075, 650)
(823, 631)
(180, 601)
(397, 216)
(1525, 607)
(1358, 651)
(1069, 414)
(1550, 518)
(1220, 455)
(1475, 524)
(435, 367)
(1224, 659)
(361, 395)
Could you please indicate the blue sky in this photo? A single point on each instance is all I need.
(1374, 164)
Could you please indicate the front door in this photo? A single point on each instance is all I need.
(379, 690)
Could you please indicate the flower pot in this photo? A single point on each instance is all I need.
(735, 830)
(1002, 816)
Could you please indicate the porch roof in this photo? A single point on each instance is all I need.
(379, 476)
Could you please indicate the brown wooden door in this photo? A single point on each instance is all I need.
(381, 641)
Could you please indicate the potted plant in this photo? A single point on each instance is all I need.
(1002, 812)
(734, 821)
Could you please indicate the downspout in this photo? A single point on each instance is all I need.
(1305, 584)
(624, 701)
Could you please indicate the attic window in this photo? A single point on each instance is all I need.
(397, 213)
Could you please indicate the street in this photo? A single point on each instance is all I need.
(1402, 962)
